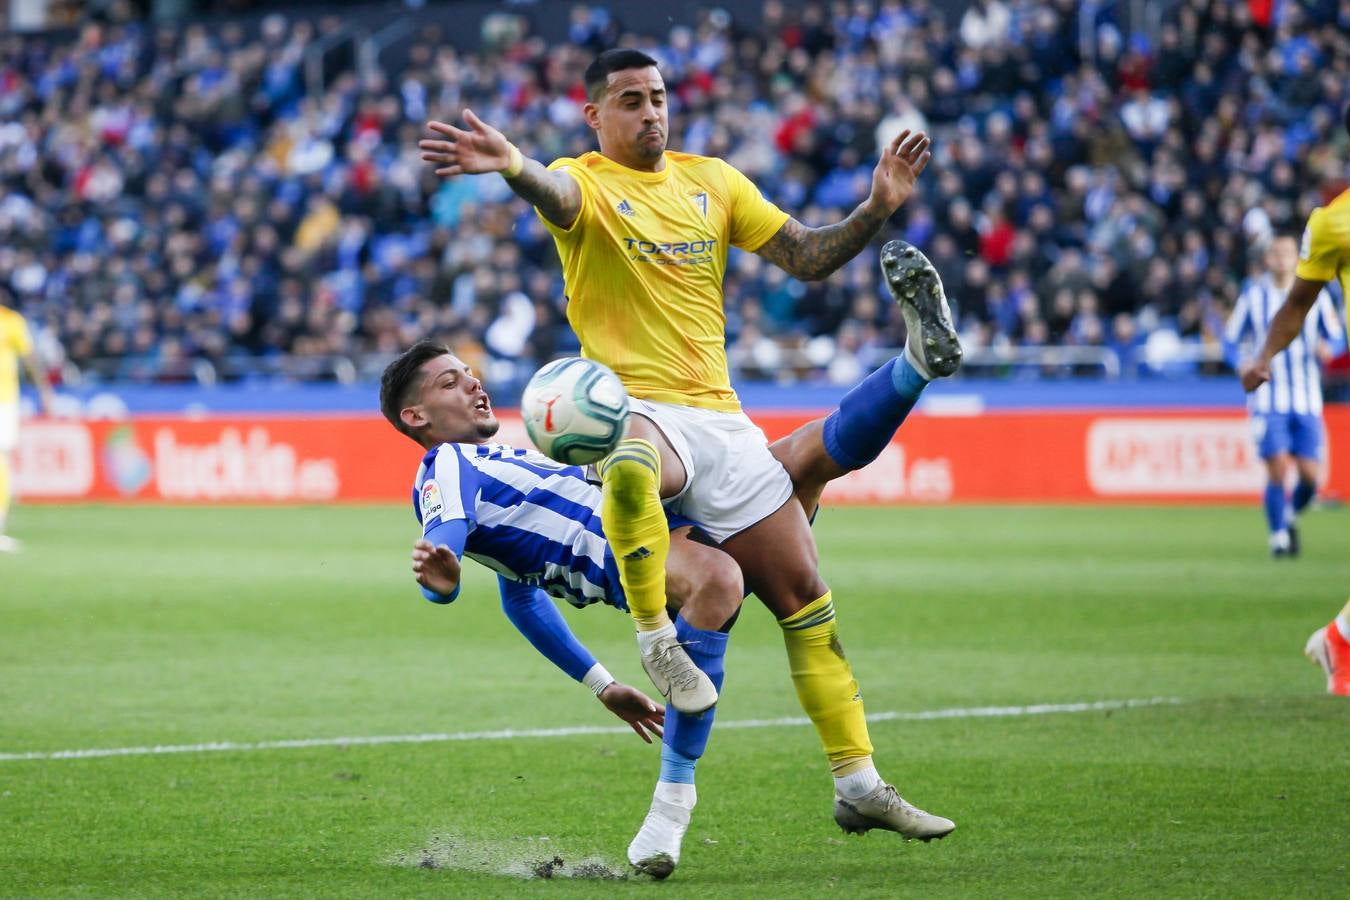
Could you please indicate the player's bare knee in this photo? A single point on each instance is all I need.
(713, 593)
(724, 588)
(795, 590)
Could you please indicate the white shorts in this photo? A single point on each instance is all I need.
(9, 426)
(732, 480)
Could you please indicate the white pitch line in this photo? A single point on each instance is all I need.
(967, 712)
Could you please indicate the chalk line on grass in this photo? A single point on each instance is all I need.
(962, 712)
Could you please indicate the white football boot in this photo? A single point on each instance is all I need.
(914, 283)
(655, 850)
(684, 685)
(884, 808)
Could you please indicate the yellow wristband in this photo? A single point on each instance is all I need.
(514, 164)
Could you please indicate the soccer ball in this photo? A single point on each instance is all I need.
(575, 410)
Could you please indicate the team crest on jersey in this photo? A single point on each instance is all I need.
(701, 201)
(626, 208)
(431, 499)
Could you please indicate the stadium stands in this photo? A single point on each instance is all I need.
(242, 198)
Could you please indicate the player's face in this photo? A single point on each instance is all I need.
(630, 118)
(1282, 257)
(452, 404)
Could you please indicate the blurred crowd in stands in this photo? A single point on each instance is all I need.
(174, 193)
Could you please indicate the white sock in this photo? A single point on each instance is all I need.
(676, 794)
(647, 638)
(917, 363)
(1343, 623)
(857, 785)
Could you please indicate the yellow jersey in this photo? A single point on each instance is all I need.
(1325, 250)
(643, 265)
(15, 342)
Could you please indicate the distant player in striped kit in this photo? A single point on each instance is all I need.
(1286, 412)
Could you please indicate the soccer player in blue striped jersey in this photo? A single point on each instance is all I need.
(531, 520)
(536, 523)
(1286, 412)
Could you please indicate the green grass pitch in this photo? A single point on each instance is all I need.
(172, 626)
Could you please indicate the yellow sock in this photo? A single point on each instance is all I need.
(825, 685)
(635, 525)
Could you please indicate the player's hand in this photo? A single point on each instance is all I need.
(636, 708)
(899, 167)
(480, 149)
(1255, 374)
(436, 568)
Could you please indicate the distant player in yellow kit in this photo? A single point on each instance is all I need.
(1324, 255)
(16, 344)
(643, 234)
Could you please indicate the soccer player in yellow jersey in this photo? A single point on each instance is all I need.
(16, 344)
(1324, 255)
(643, 235)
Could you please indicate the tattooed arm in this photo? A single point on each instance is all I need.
(812, 254)
(485, 149)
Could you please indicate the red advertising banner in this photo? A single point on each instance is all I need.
(991, 457)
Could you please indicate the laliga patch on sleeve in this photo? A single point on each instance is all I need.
(1305, 246)
(431, 500)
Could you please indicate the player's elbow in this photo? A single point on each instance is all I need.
(805, 272)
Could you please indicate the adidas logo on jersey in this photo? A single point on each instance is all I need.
(626, 209)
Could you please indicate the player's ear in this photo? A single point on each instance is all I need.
(412, 416)
(591, 113)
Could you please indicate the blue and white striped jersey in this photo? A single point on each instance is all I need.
(529, 519)
(1295, 384)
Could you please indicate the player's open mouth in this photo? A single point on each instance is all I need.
(482, 405)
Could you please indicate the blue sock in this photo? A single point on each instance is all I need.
(1274, 502)
(675, 766)
(686, 736)
(1304, 492)
(867, 417)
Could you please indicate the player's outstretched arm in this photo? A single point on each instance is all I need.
(537, 618)
(1284, 327)
(483, 149)
(811, 254)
